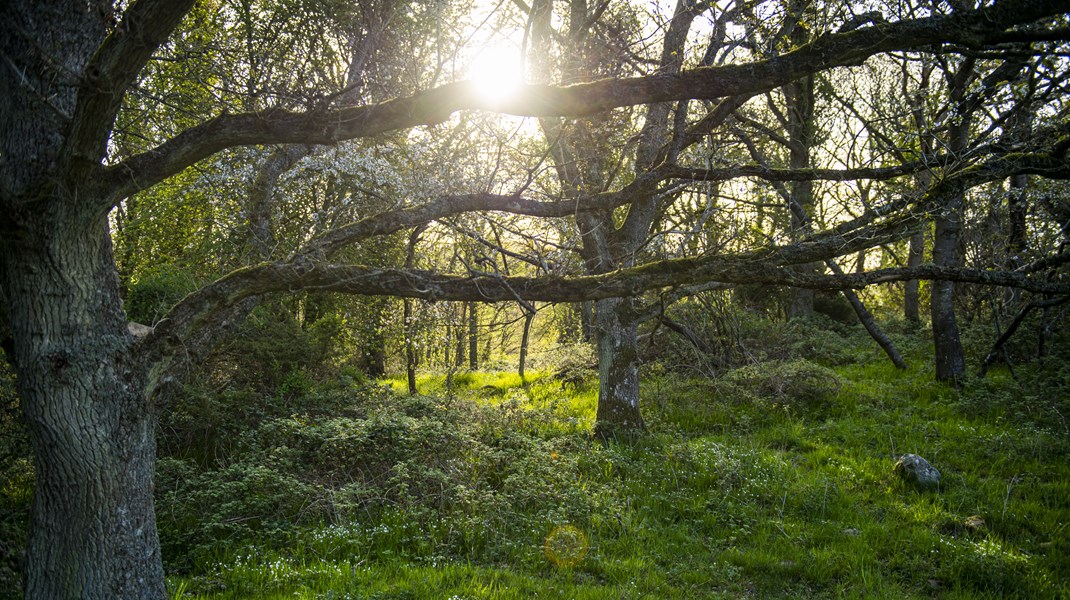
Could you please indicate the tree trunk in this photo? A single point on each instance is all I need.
(799, 96)
(912, 289)
(93, 527)
(473, 336)
(950, 361)
(407, 316)
(949, 357)
(458, 357)
(586, 320)
(410, 347)
(867, 320)
(616, 333)
(524, 338)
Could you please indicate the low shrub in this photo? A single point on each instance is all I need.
(798, 384)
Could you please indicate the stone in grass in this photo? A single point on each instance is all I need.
(917, 470)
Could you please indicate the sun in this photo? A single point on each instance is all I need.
(496, 73)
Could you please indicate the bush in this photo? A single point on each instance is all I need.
(797, 384)
(437, 462)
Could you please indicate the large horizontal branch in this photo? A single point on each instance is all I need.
(393, 221)
(411, 283)
(773, 265)
(328, 126)
(397, 220)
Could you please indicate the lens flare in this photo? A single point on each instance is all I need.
(565, 546)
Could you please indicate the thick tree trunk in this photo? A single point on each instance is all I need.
(93, 527)
(949, 357)
(616, 332)
(950, 361)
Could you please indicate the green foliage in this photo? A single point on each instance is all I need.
(152, 294)
(795, 385)
(16, 480)
(774, 480)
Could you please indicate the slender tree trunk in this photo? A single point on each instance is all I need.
(528, 318)
(912, 289)
(473, 336)
(799, 96)
(869, 322)
(93, 527)
(586, 320)
(458, 357)
(616, 331)
(373, 360)
(407, 316)
(410, 347)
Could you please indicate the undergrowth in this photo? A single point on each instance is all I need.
(772, 480)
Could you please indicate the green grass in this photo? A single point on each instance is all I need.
(731, 494)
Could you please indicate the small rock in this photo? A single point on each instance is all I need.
(850, 532)
(917, 470)
(975, 523)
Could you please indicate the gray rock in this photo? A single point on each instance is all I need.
(917, 470)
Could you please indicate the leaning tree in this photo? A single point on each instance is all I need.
(91, 390)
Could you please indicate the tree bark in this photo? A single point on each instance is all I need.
(473, 336)
(800, 126)
(407, 316)
(616, 334)
(93, 526)
(949, 357)
(459, 328)
(867, 320)
(912, 288)
(524, 339)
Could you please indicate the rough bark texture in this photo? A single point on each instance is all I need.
(618, 369)
(949, 356)
(950, 361)
(800, 126)
(64, 71)
(93, 529)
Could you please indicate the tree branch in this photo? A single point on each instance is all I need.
(109, 74)
(970, 28)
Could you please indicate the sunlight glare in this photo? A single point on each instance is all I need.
(496, 73)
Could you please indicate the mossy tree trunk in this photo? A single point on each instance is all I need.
(616, 334)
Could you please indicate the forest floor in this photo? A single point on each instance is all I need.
(773, 480)
(776, 481)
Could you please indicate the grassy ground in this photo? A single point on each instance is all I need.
(772, 481)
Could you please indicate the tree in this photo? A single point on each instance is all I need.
(91, 390)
